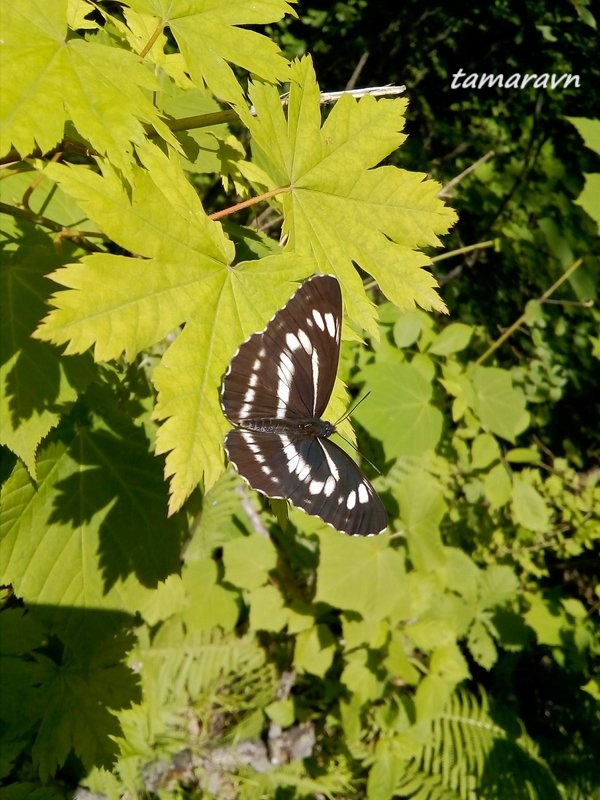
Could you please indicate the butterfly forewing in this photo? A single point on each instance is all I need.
(275, 390)
(288, 370)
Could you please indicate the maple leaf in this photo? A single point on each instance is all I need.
(36, 385)
(208, 37)
(78, 696)
(92, 531)
(340, 208)
(49, 79)
(119, 304)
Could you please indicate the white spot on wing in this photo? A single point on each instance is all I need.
(304, 472)
(318, 318)
(330, 462)
(316, 487)
(351, 500)
(292, 341)
(314, 360)
(249, 396)
(330, 322)
(363, 494)
(285, 377)
(329, 486)
(305, 342)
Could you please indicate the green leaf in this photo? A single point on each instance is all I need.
(50, 78)
(481, 645)
(407, 329)
(30, 791)
(370, 631)
(422, 508)
(167, 599)
(399, 412)
(363, 575)
(452, 339)
(282, 712)
(523, 455)
(338, 208)
(234, 305)
(267, 609)
(93, 531)
(547, 620)
(314, 650)
(248, 561)
(499, 406)
(384, 773)
(208, 38)
(498, 585)
(528, 505)
(589, 199)
(208, 603)
(497, 486)
(431, 697)
(123, 304)
(360, 678)
(36, 385)
(78, 695)
(484, 451)
(589, 130)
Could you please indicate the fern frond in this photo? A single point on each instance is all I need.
(478, 753)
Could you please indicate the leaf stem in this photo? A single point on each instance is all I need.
(225, 212)
(517, 324)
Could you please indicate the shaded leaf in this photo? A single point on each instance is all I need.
(93, 531)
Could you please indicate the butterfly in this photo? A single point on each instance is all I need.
(275, 391)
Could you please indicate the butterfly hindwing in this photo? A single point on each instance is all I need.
(313, 473)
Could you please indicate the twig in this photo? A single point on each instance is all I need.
(517, 324)
(357, 70)
(372, 91)
(445, 191)
(462, 250)
(250, 512)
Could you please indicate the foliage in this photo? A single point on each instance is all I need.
(166, 640)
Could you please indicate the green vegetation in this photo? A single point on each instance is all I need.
(165, 632)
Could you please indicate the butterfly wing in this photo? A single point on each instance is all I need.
(288, 370)
(313, 473)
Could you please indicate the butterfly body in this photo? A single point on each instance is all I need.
(275, 390)
(292, 427)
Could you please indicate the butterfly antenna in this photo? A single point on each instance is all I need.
(352, 408)
(352, 445)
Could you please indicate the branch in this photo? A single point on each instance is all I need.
(516, 325)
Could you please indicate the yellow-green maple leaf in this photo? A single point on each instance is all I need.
(50, 77)
(208, 36)
(119, 304)
(340, 208)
